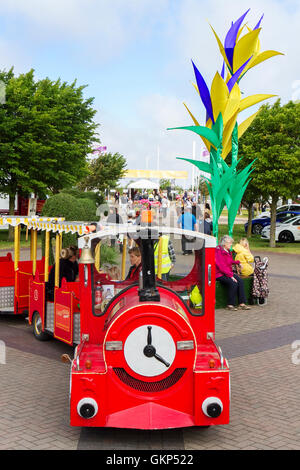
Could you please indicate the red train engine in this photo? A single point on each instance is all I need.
(147, 359)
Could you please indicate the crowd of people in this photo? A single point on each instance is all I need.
(233, 261)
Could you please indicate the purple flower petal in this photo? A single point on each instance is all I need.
(258, 24)
(236, 75)
(204, 92)
(223, 70)
(231, 38)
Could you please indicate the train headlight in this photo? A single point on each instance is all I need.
(212, 407)
(87, 408)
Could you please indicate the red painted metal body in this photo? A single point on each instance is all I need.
(18, 281)
(107, 368)
(174, 398)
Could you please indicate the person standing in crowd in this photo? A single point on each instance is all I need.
(187, 221)
(124, 201)
(205, 225)
(164, 206)
(188, 203)
(137, 220)
(168, 256)
(114, 218)
(196, 210)
(225, 275)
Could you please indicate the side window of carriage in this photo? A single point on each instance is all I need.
(193, 294)
(102, 293)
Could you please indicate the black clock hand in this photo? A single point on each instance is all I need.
(159, 358)
(149, 338)
(150, 350)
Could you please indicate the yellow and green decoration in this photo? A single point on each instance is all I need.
(227, 184)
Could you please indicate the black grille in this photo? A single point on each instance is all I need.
(149, 386)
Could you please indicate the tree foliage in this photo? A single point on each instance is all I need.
(72, 209)
(273, 139)
(46, 131)
(69, 207)
(104, 172)
(83, 195)
(165, 184)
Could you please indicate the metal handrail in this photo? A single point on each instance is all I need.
(221, 358)
(78, 353)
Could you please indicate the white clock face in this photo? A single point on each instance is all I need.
(149, 350)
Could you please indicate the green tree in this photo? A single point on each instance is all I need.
(164, 184)
(89, 195)
(72, 209)
(46, 131)
(273, 139)
(104, 173)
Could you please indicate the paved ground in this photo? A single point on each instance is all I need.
(265, 383)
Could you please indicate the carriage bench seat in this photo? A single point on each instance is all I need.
(221, 293)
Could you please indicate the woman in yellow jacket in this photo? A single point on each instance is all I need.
(244, 255)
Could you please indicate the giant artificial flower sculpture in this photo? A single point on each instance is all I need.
(223, 102)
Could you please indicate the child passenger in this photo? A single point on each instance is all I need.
(244, 255)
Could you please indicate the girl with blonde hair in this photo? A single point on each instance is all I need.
(245, 257)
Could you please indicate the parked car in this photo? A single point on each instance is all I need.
(286, 207)
(261, 222)
(286, 232)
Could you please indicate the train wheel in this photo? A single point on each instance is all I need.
(37, 328)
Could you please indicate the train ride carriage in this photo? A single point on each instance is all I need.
(15, 274)
(146, 356)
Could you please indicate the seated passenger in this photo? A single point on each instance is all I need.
(225, 275)
(112, 271)
(136, 264)
(68, 268)
(244, 255)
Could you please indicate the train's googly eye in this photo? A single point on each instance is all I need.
(212, 407)
(87, 408)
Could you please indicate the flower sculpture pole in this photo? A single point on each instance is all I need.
(223, 103)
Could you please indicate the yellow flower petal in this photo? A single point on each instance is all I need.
(241, 129)
(253, 99)
(233, 104)
(245, 124)
(222, 50)
(262, 57)
(245, 48)
(192, 116)
(228, 131)
(219, 95)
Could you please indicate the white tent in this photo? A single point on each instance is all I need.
(143, 184)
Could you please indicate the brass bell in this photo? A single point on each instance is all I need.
(86, 253)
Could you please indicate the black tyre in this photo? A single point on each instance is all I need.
(37, 328)
(257, 229)
(286, 237)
